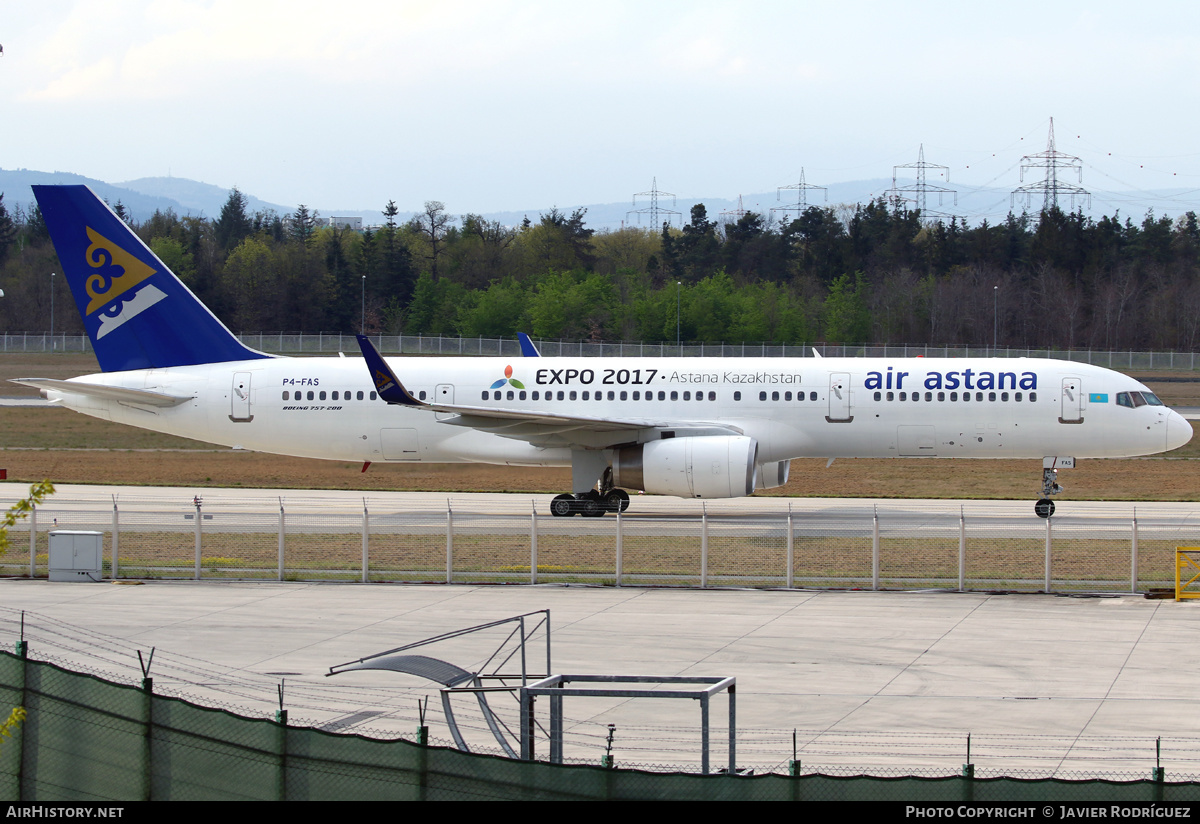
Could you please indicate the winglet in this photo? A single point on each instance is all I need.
(528, 350)
(386, 383)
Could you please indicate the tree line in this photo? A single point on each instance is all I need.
(876, 272)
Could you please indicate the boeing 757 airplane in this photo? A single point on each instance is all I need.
(689, 427)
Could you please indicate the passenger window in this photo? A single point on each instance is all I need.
(310, 395)
(585, 395)
(1004, 396)
(624, 396)
(787, 396)
(878, 396)
(991, 396)
(535, 394)
(941, 396)
(360, 395)
(979, 397)
(687, 396)
(510, 394)
(322, 394)
(611, 395)
(372, 396)
(891, 396)
(928, 396)
(335, 395)
(712, 396)
(774, 396)
(674, 395)
(637, 396)
(762, 396)
(737, 396)
(485, 394)
(1032, 397)
(420, 396)
(953, 396)
(522, 395)
(903, 396)
(571, 397)
(1017, 397)
(662, 396)
(285, 394)
(812, 396)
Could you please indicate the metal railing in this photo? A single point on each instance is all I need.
(332, 343)
(885, 546)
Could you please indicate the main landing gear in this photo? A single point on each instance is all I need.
(593, 503)
(1044, 508)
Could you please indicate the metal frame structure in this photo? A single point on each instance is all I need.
(556, 688)
(453, 677)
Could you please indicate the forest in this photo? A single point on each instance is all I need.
(866, 273)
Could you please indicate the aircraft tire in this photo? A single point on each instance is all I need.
(616, 501)
(591, 506)
(563, 506)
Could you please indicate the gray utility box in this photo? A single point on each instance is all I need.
(76, 555)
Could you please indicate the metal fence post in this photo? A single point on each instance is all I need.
(791, 550)
(703, 545)
(449, 543)
(1133, 556)
(875, 548)
(366, 532)
(33, 541)
(199, 517)
(962, 550)
(1047, 587)
(533, 547)
(620, 546)
(116, 539)
(281, 532)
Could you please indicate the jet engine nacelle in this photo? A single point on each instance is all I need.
(696, 467)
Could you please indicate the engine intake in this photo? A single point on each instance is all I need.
(691, 467)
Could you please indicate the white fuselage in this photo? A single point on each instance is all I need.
(850, 407)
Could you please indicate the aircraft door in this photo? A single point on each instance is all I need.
(839, 398)
(1072, 401)
(443, 393)
(239, 398)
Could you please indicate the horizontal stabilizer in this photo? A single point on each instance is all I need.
(144, 397)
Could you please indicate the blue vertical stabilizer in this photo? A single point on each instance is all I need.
(137, 313)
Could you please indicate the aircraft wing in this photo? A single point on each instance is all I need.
(120, 394)
(540, 428)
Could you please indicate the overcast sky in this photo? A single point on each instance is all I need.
(493, 105)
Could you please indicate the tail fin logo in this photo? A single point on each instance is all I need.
(119, 272)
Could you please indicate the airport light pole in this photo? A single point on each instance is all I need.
(362, 324)
(52, 310)
(678, 286)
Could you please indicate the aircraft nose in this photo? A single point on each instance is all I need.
(1179, 431)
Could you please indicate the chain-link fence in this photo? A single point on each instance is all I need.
(889, 545)
(88, 739)
(331, 343)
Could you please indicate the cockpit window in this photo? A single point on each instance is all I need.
(1123, 400)
(1137, 399)
(1152, 399)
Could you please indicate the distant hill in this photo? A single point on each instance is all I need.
(195, 197)
(143, 196)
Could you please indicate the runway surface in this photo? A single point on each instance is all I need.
(884, 682)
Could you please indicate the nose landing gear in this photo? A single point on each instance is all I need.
(1044, 508)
